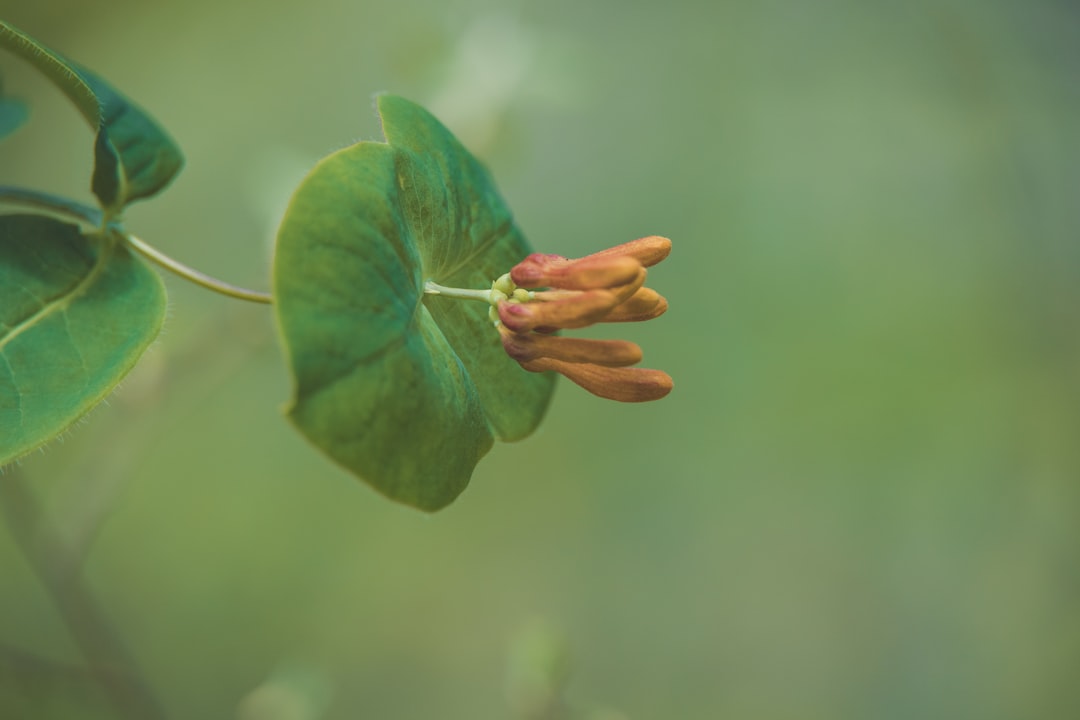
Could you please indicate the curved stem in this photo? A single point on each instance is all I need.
(189, 273)
(92, 216)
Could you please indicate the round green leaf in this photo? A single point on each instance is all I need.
(406, 390)
(133, 157)
(76, 313)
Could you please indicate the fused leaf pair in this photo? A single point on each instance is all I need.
(607, 286)
(77, 307)
(404, 389)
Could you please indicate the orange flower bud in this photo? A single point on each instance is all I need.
(645, 304)
(647, 250)
(580, 309)
(525, 347)
(588, 273)
(613, 383)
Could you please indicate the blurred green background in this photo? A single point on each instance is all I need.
(862, 498)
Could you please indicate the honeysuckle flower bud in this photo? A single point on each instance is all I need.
(577, 310)
(647, 250)
(645, 304)
(585, 274)
(613, 383)
(606, 286)
(525, 347)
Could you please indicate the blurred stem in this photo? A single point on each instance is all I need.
(20, 664)
(111, 664)
(92, 216)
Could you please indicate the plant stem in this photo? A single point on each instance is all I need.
(92, 216)
(25, 668)
(199, 278)
(111, 664)
(433, 288)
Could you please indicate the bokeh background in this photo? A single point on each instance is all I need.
(862, 499)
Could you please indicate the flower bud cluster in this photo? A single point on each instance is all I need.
(546, 293)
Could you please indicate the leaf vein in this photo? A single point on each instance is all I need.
(15, 385)
(61, 303)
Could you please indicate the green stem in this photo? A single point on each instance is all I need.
(433, 288)
(92, 216)
(190, 273)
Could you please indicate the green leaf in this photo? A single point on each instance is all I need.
(133, 157)
(13, 113)
(76, 312)
(408, 391)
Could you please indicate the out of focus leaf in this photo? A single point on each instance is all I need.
(407, 391)
(76, 313)
(133, 157)
(13, 113)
